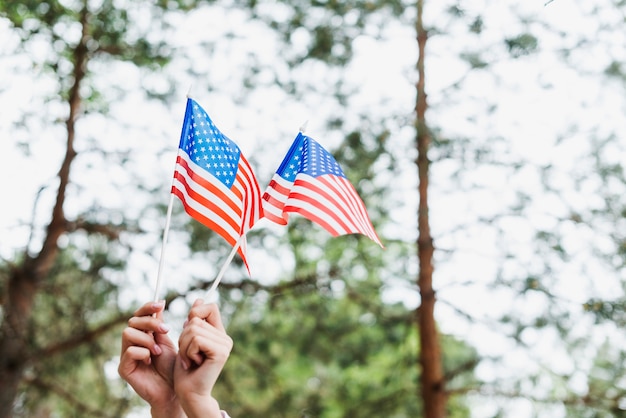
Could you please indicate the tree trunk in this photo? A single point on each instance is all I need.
(24, 280)
(430, 361)
(13, 331)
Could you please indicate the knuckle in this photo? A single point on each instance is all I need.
(127, 332)
(195, 322)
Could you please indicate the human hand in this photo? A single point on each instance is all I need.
(147, 360)
(204, 348)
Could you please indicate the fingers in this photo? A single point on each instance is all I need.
(209, 312)
(143, 326)
(150, 308)
(135, 354)
(148, 324)
(200, 341)
(203, 336)
(132, 337)
(130, 358)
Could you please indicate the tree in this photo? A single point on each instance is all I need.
(82, 35)
(517, 244)
(432, 377)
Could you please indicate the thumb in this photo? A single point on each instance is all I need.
(163, 339)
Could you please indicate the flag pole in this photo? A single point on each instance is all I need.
(219, 276)
(166, 230)
(165, 234)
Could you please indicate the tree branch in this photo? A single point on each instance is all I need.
(467, 366)
(79, 339)
(39, 266)
(32, 221)
(78, 406)
(247, 284)
(272, 289)
(111, 231)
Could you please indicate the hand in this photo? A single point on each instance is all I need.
(147, 360)
(204, 348)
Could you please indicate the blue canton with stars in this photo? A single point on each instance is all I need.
(207, 146)
(308, 157)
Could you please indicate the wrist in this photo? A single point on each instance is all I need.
(202, 408)
(171, 409)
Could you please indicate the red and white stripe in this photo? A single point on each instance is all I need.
(229, 211)
(330, 201)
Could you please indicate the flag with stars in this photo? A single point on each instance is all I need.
(214, 181)
(310, 182)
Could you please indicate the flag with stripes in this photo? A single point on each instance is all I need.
(214, 181)
(310, 182)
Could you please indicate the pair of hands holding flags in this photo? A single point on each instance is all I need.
(176, 384)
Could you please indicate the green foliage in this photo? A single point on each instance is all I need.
(32, 16)
(572, 279)
(606, 310)
(474, 59)
(616, 69)
(334, 350)
(477, 25)
(523, 44)
(331, 26)
(75, 332)
(606, 391)
(105, 32)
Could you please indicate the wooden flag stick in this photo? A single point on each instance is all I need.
(165, 233)
(219, 276)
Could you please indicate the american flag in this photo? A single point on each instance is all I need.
(214, 181)
(310, 182)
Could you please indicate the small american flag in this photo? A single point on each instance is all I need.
(310, 182)
(214, 181)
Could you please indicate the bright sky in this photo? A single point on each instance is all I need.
(539, 99)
